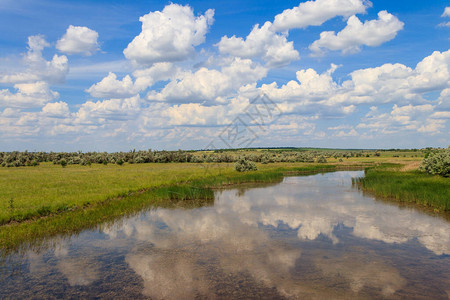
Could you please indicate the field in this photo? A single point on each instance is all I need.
(49, 199)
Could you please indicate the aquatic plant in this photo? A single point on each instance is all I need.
(414, 186)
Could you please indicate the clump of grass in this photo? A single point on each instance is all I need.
(11, 204)
(414, 186)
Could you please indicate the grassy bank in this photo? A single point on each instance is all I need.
(30, 192)
(86, 205)
(411, 186)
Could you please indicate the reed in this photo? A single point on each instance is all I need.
(414, 186)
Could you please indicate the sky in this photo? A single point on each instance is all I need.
(118, 75)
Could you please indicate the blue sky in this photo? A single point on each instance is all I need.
(89, 75)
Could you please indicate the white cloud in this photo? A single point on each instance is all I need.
(209, 85)
(446, 12)
(441, 115)
(317, 12)
(262, 42)
(419, 118)
(372, 33)
(107, 111)
(39, 69)
(78, 40)
(310, 86)
(28, 95)
(56, 109)
(170, 35)
(396, 82)
(195, 114)
(342, 133)
(111, 87)
(160, 71)
(432, 126)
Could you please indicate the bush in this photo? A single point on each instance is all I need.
(437, 163)
(63, 163)
(243, 165)
(321, 159)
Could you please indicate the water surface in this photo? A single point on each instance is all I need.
(307, 237)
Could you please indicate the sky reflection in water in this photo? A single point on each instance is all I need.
(313, 236)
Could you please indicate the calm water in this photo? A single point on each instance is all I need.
(307, 237)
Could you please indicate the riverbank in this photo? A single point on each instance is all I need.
(84, 206)
(402, 184)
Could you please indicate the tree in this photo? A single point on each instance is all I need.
(437, 163)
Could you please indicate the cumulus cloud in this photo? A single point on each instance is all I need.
(370, 33)
(39, 69)
(209, 84)
(416, 118)
(446, 12)
(309, 94)
(396, 82)
(56, 109)
(27, 95)
(107, 111)
(194, 114)
(262, 42)
(111, 87)
(78, 40)
(317, 12)
(169, 35)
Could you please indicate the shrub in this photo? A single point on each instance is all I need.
(63, 163)
(243, 165)
(437, 163)
(321, 159)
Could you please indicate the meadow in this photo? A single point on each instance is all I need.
(29, 192)
(49, 198)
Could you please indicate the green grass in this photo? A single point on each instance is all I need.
(26, 235)
(414, 186)
(29, 192)
(51, 188)
(52, 200)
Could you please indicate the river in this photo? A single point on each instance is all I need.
(308, 237)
